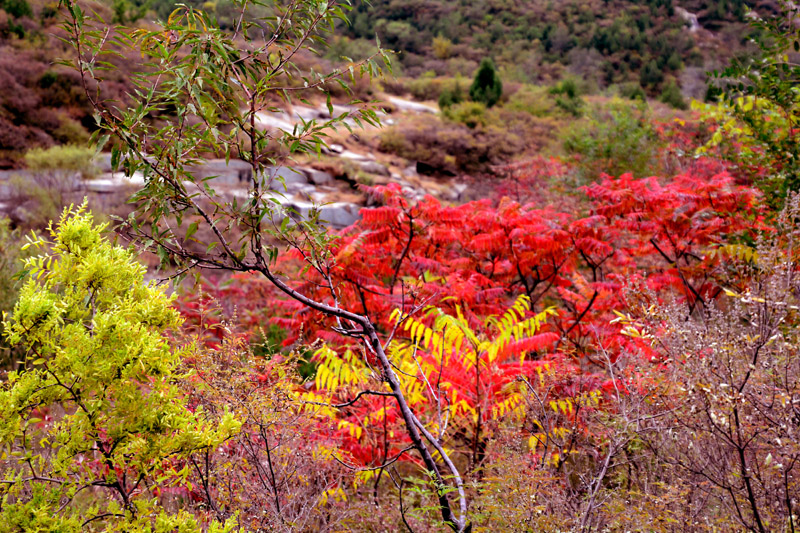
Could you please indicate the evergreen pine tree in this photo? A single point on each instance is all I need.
(487, 87)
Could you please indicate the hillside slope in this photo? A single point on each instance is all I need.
(646, 44)
(603, 41)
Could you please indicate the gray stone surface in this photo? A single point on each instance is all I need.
(410, 171)
(341, 214)
(373, 167)
(454, 193)
(274, 121)
(102, 162)
(289, 176)
(113, 182)
(233, 172)
(319, 177)
(337, 215)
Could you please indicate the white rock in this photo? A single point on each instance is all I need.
(373, 167)
(111, 182)
(691, 18)
(274, 121)
(353, 156)
(415, 107)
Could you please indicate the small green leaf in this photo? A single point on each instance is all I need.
(191, 231)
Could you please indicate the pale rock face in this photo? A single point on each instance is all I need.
(341, 214)
(274, 121)
(353, 156)
(319, 177)
(414, 107)
(232, 172)
(373, 167)
(691, 18)
(338, 215)
(113, 181)
(290, 176)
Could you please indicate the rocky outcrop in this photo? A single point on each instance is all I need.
(689, 18)
(415, 107)
(230, 172)
(338, 215)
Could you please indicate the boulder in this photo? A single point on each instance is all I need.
(415, 107)
(102, 162)
(6, 175)
(22, 214)
(410, 172)
(274, 121)
(233, 172)
(337, 215)
(112, 182)
(454, 193)
(319, 177)
(289, 176)
(373, 167)
(340, 214)
(353, 156)
(5, 191)
(310, 113)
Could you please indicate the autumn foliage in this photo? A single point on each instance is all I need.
(568, 270)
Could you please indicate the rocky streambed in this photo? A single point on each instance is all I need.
(301, 187)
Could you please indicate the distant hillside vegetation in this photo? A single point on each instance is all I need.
(41, 104)
(604, 41)
(648, 48)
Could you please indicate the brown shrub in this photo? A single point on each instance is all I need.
(448, 147)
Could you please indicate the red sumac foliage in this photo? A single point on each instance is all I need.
(473, 260)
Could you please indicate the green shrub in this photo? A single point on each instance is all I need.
(17, 8)
(442, 47)
(674, 62)
(70, 131)
(672, 96)
(568, 96)
(471, 114)
(573, 106)
(69, 159)
(534, 100)
(567, 87)
(49, 11)
(451, 95)
(487, 88)
(101, 361)
(342, 47)
(48, 79)
(427, 87)
(712, 94)
(617, 138)
(651, 75)
(632, 91)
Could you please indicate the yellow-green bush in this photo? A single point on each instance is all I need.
(534, 100)
(471, 114)
(61, 159)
